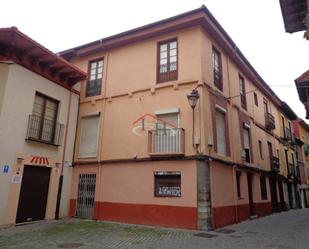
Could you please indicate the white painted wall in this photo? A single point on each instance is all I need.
(17, 104)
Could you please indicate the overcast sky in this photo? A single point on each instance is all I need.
(255, 26)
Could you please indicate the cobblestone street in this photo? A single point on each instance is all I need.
(287, 230)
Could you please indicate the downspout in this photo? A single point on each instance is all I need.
(63, 158)
(98, 190)
(234, 196)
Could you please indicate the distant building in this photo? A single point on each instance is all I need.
(38, 114)
(301, 129)
(302, 85)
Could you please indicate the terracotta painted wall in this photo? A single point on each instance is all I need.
(125, 192)
(133, 86)
(227, 207)
(131, 82)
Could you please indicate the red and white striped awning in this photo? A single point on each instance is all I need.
(39, 160)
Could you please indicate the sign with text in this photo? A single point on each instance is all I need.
(16, 179)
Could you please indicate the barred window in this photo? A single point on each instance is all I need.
(167, 184)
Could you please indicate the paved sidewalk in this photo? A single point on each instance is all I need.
(287, 230)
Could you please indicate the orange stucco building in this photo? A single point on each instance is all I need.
(143, 155)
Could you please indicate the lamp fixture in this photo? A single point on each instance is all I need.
(193, 98)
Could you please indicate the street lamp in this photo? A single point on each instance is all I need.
(193, 98)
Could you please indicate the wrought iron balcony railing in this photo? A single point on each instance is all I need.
(269, 121)
(288, 137)
(291, 170)
(306, 149)
(166, 142)
(44, 130)
(274, 163)
(93, 87)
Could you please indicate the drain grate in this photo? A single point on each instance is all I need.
(225, 231)
(70, 245)
(205, 235)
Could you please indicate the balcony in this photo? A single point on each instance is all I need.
(291, 170)
(289, 137)
(44, 131)
(274, 164)
(306, 149)
(246, 155)
(168, 142)
(269, 121)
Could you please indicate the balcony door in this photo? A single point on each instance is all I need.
(43, 119)
(168, 134)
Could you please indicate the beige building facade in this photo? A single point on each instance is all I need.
(38, 115)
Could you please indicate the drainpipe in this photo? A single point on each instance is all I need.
(63, 158)
(234, 196)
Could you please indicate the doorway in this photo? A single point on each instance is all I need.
(281, 196)
(33, 194)
(273, 194)
(250, 194)
(85, 196)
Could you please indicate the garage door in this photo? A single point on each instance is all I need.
(33, 194)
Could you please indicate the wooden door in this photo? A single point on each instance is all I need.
(33, 194)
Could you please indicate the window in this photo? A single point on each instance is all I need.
(217, 68)
(256, 102)
(169, 120)
(287, 160)
(238, 176)
(293, 159)
(242, 92)
(167, 183)
(265, 104)
(167, 64)
(220, 132)
(283, 126)
(89, 136)
(263, 187)
(246, 143)
(260, 149)
(42, 125)
(95, 75)
(168, 136)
